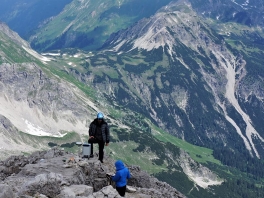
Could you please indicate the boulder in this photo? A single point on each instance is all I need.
(75, 191)
(47, 184)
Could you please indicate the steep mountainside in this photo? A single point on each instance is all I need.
(32, 98)
(87, 24)
(25, 16)
(82, 24)
(249, 13)
(194, 71)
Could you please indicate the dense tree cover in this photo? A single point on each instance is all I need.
(240, 189)
(236, 185)
(243, 161)
(231, 187)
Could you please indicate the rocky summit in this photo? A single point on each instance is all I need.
(59, 174)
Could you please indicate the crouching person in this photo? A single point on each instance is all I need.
(120, 177)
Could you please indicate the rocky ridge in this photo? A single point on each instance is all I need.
(56, 173)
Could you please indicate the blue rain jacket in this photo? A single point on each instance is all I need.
(121, 175)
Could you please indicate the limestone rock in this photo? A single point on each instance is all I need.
(47, 184)
(6, 191)
(76, 191)
(59, 174)
(130, 189)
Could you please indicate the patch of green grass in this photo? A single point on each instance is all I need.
(35, 140)
(85, 88)
(124, 151)
(199, 154)
(111, 73)
(12, 53)
(115, 113)
(25, 153)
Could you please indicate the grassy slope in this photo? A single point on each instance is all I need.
(85, 21)
(10, 52)
(199, 154)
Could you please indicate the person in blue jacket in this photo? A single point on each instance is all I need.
(120, 177)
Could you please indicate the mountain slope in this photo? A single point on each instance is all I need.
(189, 80)
(173, 71)
(45, 106)
(249, 13)
(198, 56)
(32, 98)
(87, 24)
(25, 16)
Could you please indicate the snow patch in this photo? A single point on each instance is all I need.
(50, 54)
(38, 131)
(36, 55)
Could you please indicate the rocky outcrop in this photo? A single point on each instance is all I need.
(12, 35)
(198, 173)
(6, 125)
(42, 101)
(59, 174)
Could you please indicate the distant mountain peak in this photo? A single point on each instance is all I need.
(174, 23)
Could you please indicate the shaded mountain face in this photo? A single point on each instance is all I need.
(249, 13)
(87, 24)
(49, 26)
(25, 16)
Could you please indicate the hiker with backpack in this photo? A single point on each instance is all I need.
(120, 177)
(99, 133)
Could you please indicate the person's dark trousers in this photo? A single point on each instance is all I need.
(101, 147)
(121, 190)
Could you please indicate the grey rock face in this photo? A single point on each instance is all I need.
(27, 82)
(59, 174)
(47, 184)
(44, 102)
(15, 164)
(6, 191)
(6, 124)
(13, 35)
(80, 190)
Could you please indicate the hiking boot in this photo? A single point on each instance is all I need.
(91, 156)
